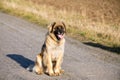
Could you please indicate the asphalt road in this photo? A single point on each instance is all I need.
(21, 41)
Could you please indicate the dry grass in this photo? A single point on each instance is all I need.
(87, 20)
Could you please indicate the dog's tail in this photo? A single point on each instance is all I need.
(31, 68)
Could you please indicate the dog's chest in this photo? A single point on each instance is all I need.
(57, 51)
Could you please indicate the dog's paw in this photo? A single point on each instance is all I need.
(51, 74)
(61, 71)
(57, 72)
(39, 72)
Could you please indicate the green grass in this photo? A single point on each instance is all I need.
(25, 15)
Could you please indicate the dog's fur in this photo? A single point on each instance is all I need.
(50, 59)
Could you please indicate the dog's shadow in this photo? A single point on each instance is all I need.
(24, 62)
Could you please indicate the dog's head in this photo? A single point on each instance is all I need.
(58, 29)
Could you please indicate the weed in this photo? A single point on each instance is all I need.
(82, 24)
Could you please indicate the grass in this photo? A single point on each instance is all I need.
(95, 21)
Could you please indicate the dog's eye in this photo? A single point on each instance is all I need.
(57, 28)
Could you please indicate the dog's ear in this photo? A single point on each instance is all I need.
(64, 26)
(51, 26)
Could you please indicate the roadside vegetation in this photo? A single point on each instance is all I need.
(96, 21)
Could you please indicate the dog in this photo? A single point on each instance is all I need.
(51, 57)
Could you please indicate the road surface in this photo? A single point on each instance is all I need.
(21, 41)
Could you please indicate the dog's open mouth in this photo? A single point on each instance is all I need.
(61, 36)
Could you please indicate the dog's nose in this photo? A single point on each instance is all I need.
(59, 33)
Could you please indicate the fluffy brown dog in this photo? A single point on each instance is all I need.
(51, 56)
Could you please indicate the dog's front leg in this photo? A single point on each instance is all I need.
(49, 66)
(57, 68)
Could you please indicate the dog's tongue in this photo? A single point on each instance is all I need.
(60, 36)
